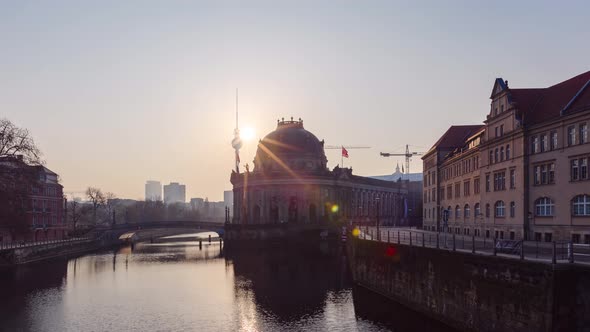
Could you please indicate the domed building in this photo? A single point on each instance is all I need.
(290, 183)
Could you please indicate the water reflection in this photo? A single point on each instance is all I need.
(181, 287)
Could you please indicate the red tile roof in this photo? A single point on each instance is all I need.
(543, 104)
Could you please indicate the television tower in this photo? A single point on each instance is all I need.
(236, 143)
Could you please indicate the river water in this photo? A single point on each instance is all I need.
(176, 286)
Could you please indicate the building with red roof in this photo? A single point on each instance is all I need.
(522, 174)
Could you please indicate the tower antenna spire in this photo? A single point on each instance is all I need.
(237, 141)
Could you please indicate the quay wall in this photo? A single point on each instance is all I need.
(475, 292)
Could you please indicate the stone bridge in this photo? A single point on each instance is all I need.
(157, 229)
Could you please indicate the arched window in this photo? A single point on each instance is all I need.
(487, 210)
(544, 207)
(477, 209)
(499, 208)
(457, 212)
(466, 211)
(507, 151)
(581, 205)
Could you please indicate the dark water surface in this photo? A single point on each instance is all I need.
(175, 286)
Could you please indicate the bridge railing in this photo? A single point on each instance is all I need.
(24, 244)
(556, 251)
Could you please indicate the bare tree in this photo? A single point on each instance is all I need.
(16, 142)
(97, 198)
(111, 204)
(75, 212)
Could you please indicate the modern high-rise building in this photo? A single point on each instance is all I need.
(153, 191)
(174, 193)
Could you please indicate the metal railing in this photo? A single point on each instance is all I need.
(24, 244)
(557, 251)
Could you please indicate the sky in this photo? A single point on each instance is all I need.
(119, 92)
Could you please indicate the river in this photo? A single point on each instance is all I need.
(176, 286)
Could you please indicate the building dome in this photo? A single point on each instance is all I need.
(290, 148)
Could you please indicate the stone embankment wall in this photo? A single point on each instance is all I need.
(476, 292)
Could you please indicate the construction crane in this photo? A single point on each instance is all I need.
(408, 155)
(333, 147)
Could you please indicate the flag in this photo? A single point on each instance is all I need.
(344, 153)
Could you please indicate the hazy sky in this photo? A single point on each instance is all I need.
(119, 92)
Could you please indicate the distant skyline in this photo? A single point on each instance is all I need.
(117, 93)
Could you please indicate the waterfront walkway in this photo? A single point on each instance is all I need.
(551, 252)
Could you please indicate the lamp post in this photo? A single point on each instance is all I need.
(378, 210)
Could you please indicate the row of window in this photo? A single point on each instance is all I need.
(580, 205)
(548, 142)
(500, 180)
(547, 237)
(466, 189)
(459, 168)
(544, 174)
(500, 154)
(544, 207)
(43, 205)
(579, 169)
(43, 220)
(50, 191)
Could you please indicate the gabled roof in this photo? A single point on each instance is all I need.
(499, 86)
(543, 104)
(455, 137)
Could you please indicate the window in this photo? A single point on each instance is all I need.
(581, 205)
(499, 208)
(583, 133)
(488, 233)
(476, 186)
(433, 196)
(491, 157)
(466, 188)
(508, 152)
(442, 193)
(501, 130)
(457, 190)
(496, 132)
(553, 143)
(499, 181)
(544, 207)
(544, 174)
(512, 209)
(502, 154)
(501, 108)
(571, 135)
(449, 191)
(574, 169)
(579, 169)
(457, 212)
(548, 237)
(488, 210)
(487, 183)
(466, 211)
(543, 143)
(512, 235)
(538, 236)
(496, 155)
(576, 238)
(477, 210)
(495, 111)
(534, 144)
(512, 179)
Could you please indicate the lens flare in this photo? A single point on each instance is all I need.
(247, 133)
(334, 208)
(356, 232)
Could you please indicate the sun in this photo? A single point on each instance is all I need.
(247, 133)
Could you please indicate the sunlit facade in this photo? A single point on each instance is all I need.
(290, 183)
(523, 173)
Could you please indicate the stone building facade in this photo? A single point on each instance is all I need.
(523, 173)
(290, 183)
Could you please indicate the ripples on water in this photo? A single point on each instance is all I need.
(175, 286)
